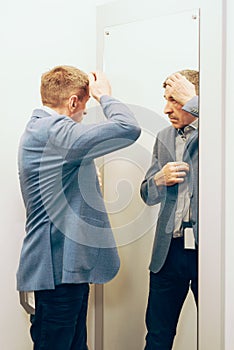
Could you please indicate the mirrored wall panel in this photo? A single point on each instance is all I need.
(138, 56)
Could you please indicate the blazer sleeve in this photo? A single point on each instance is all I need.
(150, 192)
(79, 142)
(192, 106)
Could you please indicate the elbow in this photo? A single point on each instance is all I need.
(134, 133)
(130, 135)
(137, 132)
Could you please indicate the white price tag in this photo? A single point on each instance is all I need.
(189, 241)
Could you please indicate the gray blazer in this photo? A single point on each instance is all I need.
(68, 234)
(164, 152)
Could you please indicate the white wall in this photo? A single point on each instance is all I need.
(229, 190)
(38, 35)
(35, 36)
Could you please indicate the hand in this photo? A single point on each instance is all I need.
(98, 85)
(180, 88)
(172, 173)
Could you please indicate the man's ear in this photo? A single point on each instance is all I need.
(73, 103)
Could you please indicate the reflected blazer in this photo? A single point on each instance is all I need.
(68, 234)
(164, 152)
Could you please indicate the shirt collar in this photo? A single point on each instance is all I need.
(48, 110)
(194, 124)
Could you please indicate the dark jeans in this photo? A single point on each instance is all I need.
(168, 291)
(59, 322)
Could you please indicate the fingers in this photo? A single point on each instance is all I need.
(175, 172)
(177, 167)
(177, 77)
(180, 88)
(99, 85)
(180, 170)
(178, 173)
(92, 77)
(181, 166)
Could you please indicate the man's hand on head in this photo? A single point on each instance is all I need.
(180, 88)
(98, 85)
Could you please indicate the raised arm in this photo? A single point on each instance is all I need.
(88, 141)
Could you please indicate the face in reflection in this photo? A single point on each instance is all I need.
(177, 116)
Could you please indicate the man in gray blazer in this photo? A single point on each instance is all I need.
(69, 242)
(172, 181)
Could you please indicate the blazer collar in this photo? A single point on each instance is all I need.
(43, 112)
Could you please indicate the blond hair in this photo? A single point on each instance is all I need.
(60, 83)
(191, 75)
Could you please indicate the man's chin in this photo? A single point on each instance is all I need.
(174, 123)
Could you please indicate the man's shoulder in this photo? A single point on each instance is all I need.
(166, 132)
(51, 115)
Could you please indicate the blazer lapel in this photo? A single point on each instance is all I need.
(168, 145)
(191, 146)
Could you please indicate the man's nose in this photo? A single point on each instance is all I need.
(167, 108)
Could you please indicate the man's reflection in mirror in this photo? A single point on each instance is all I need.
(172, 181)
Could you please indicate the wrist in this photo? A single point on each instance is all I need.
(101, 97)
(187, 99)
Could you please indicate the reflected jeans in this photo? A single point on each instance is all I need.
(168, 290)
(60, 316)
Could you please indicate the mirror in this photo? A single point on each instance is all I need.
(137, 58)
